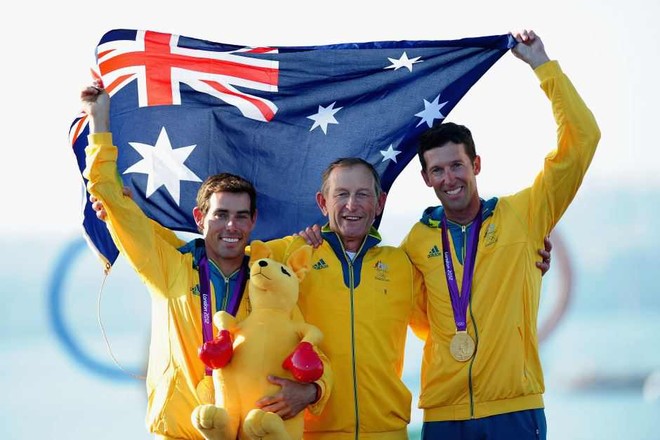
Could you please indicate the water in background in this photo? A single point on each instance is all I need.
(602, 363)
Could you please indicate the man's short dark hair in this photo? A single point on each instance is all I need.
(225, 182)
(440, 135)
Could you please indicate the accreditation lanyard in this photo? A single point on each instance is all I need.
(459, 302)
(205, 296)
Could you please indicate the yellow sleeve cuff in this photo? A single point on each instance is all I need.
(548, 70)
(100, 138)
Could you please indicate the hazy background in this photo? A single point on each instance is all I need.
(602, 362)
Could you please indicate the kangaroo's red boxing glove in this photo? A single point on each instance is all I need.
(217, 352)
(304, 363)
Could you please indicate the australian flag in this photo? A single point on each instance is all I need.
(184, 108)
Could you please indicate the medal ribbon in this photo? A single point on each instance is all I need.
(459, 303)
(205, 297)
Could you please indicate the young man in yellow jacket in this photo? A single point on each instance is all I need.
(180, 277)
(481, 370)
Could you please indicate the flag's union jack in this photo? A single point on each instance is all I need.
(183, 109)
(159, 65)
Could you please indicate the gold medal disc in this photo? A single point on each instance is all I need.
(462, 346)
(205, 390)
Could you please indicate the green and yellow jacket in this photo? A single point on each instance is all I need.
(505, 373)
(363, 307)
(168, 267)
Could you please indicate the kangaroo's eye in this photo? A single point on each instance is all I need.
(285, 272)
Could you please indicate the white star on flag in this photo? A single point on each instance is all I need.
(403, 62)
(389, 154)
(163, 165)
(431, 112)
(325, 116)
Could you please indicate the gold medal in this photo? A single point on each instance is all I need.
(205, 390)
(462, 346)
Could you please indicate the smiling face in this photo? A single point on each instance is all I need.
(350, 201)
(452, 176)
(226, 228)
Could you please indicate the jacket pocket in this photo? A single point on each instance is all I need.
(170, 405)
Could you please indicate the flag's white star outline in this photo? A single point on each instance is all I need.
(325, 116)
(390, 154)
(403, 61)
(163, 165)
(431, 112)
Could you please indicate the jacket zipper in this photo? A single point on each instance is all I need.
(355, 381)
(225, 297)
(470, 385)
(353, 341)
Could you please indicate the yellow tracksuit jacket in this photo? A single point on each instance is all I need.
(363, 307)
(168, 267)
(505, 373)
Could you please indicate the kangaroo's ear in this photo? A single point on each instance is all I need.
(258, 250)
(300, 261)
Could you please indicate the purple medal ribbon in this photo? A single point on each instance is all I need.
(459, 303)
(205, 297)
(235, 299)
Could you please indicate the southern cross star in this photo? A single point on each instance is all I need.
(431, 112)
(390, 154)
(325, 116)
(404, 61)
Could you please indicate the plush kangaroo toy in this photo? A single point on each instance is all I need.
(267, 342)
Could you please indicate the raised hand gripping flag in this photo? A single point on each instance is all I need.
(183, 109)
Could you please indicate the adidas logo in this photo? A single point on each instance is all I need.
(320, 265)
(434, 252)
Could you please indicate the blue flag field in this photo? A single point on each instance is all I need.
(184, 108)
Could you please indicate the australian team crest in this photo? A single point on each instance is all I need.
(382, 271)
